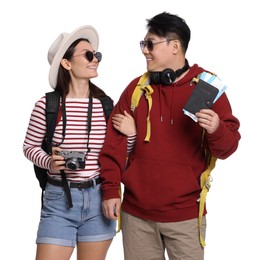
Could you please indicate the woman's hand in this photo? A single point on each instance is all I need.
(124, 123)
(57, 161)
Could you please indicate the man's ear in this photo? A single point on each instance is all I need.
(176, 46)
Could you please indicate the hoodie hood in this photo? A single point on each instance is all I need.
(193, 72)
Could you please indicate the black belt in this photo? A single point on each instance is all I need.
(79, 185)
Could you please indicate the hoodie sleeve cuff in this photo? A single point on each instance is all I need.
(111, 194)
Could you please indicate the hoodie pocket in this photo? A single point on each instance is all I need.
(159, 185)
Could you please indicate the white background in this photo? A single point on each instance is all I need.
(227, 38)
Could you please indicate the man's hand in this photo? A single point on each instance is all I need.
(208, 119)
(111, 208)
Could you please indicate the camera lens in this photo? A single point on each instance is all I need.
(72, 165)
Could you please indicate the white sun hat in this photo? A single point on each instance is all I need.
(63, 42)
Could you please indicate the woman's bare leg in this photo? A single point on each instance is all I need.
(93, 250)
(53, 252)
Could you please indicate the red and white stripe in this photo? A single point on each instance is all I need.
(76, 136)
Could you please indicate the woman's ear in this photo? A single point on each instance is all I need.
(65, 64)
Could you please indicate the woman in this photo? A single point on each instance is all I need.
(74, 61)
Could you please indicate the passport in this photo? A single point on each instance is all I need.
(203, 96)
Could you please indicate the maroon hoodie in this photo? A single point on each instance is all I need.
(162, 177)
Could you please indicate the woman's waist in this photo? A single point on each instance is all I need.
(76, 183)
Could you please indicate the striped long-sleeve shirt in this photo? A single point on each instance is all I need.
(76, 136)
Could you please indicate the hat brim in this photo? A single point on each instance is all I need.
(87, 32)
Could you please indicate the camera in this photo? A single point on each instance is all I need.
(74, 159)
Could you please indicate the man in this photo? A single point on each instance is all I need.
(161, 176)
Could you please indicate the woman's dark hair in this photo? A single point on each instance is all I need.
(64, 76)
(170, 26)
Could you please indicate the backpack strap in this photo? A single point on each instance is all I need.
(137, 93)
(52, 114)
(52, 108)
(108, 105)
(143, 86)
(51, 111)
(205, 183)
(205, 179)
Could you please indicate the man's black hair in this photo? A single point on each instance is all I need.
(170, 26)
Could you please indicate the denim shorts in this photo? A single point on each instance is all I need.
(84, 222)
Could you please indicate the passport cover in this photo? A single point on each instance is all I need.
(202, 96)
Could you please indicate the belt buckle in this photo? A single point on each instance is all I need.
(85, 184)
(80, 185)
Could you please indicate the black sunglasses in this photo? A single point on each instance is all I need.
(89, 55)
(150, 44)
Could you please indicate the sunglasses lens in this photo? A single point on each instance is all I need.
(89, 55)
(142, 45)
(98, 56)
(149, 45)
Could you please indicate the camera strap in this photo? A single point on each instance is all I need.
(63, 175)
(66, 188)
(89, 126)
(89, 120)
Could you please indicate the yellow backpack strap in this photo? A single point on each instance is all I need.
(205, 183)
(143, 87)
(148, 92)
(137, 93)
(119, 216)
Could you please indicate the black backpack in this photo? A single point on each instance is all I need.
(52, 109)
